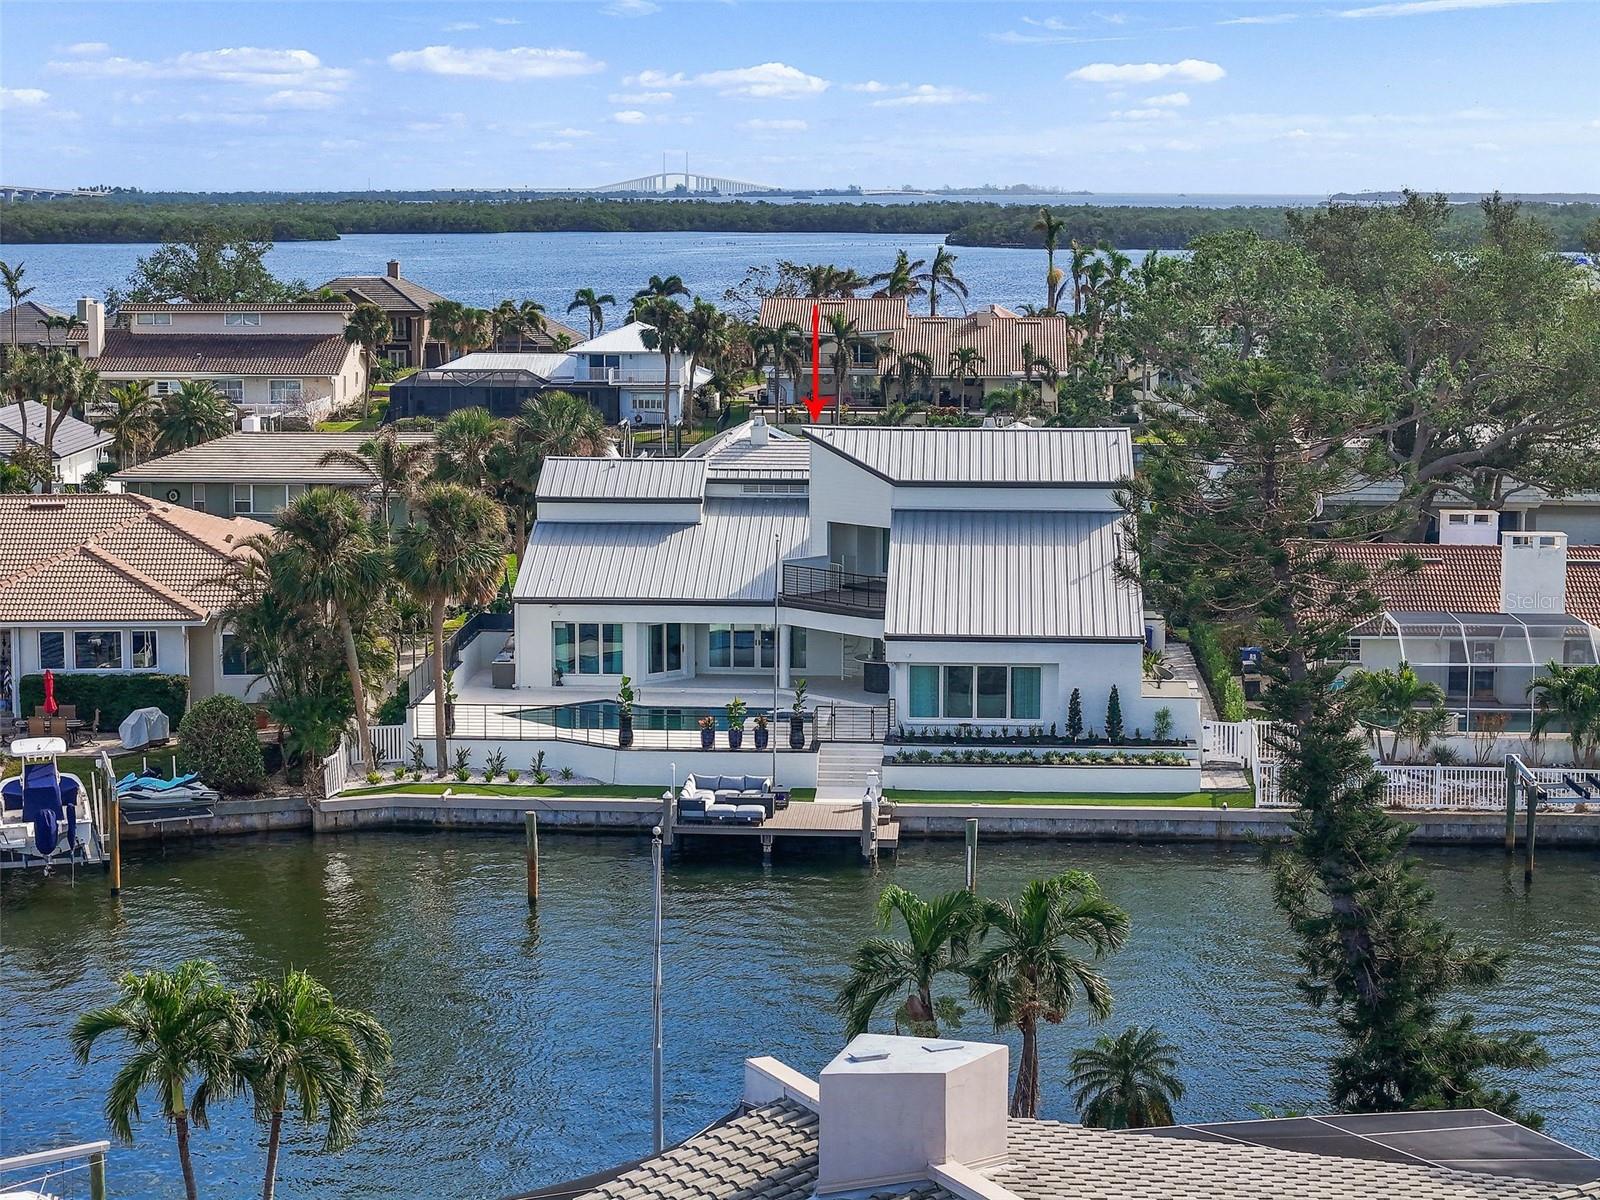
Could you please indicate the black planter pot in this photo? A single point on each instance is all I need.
(708, 738)
(797, 733)
(762, 737)
(735, 739)
(624, 730)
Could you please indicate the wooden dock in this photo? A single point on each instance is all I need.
(803, 819)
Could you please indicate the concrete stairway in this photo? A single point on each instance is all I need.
(844, 769)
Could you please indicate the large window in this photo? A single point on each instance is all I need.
(797, 647)
(233, 389)
(157, 318)
(586, 648)
(666, 649)
(285, 391)
(53, 651)
(144, 650)
(984, 693)
(236, 660)
(241, 320)
(260, 497)
(97, 650)
(741, 646)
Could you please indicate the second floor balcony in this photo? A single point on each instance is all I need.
(825, 588)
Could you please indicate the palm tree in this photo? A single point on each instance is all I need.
(369, 327)
(1569, 696)
(963, 365)
(444, 323)
(306, 1048)
(1127, 1082)
(462, 444)
(592, 306)
(183, 1028)
(336, 564)
(520, 320)
(657, 289)
(131, 421)
(900, 279)
(476, 330)
(912, 366)
(449, 553)
(11, 280)
(707, 336)
(938, 934)
(1081, 257)
(195, 413)
(550, 423)
(666, 334)
(1398, 701)
(941, 277)
(845, 339)
(1029, 974)
(392, 467)
(1051, 227)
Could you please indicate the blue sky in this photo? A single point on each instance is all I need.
(1252, 96)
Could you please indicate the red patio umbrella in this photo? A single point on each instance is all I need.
(49, 693)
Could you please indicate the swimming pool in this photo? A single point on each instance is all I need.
(602, 714)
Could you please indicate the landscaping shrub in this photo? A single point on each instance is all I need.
(1114, 716)
(218, 739)
(115, 696)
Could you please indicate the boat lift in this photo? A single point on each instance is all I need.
(48, 817)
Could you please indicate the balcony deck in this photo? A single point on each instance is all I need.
(834, 590)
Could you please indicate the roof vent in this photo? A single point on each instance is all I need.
(758, 431)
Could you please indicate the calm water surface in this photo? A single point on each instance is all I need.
(523, 1043)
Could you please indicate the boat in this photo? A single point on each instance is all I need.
(49, 817)
(141, 794)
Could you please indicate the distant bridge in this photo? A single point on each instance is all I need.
(667, 182)
(13, 191)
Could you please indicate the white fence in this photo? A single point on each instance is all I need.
(338, 769)
(1244, 742)
(1447, 788)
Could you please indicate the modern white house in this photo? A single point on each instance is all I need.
(272, 360)
(1482, 614)
(111, 583)
(616, 372)
(76, 447)
(942, 592)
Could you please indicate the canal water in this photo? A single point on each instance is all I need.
(523, 1042)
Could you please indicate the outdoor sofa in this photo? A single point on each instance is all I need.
(735, 799)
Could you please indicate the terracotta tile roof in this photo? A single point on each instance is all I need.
(1465, 579)
(181, 354)
(308, 306)
(872, 314)
(261, 458)
(113, 557)
(390, 293)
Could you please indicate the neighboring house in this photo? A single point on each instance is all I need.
(996, 333)
(1482, 615)
(901, 1118)
(616, 372)
(271, 360)
(251, 474)
(76, 447)
(114, 583)
(1576, 514)
(25, 326)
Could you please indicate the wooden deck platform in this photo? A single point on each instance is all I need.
(802, 819)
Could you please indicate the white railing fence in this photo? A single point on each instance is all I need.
(1242, 742)
(343, 766)
(336, 769)
(1437, 788)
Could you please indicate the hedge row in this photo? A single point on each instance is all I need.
(115, 696)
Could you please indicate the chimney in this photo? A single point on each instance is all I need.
(894, 1106)
(1533, 572)
(1469, 527)
(93, 314)
(394, 268)
(758, 431)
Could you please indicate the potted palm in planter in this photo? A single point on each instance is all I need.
(449, 703)
(708, 732)
(762, 733)
(735, 712)
(625, 713)
(797, 719)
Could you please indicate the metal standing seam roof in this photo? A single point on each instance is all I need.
(727, 557)
(71, 434)
(547, 364)
(1024, 575)
(315, 355)
(622, 479)
(261, 458)
(1010, 457)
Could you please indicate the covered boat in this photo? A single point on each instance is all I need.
(144, 727)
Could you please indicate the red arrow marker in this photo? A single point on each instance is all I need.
(814, 402)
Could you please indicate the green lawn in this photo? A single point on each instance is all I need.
(83, 766)
(1106, 799)
(620, 791)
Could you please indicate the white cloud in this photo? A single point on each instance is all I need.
(765, 81)
(88, 48)
(1413, 8)
(250, 65)
(1142, 114)
(514, 63)
(640, 97)
(462, 27)
(1189, 70)
(1169, 100)
(779, 125)
(574, 133)
(209, 117)
(631, 8)
(22, 97)
(506, 20)
(1262, 19)
(303, 101)
(871, 85)
(629, 117)
(931, 94)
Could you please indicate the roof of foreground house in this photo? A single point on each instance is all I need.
(262, 458)
(71, 435)
(986, 574)
(732, 456)
(292, 355)
(113, 557)
(1014, 456)
(622, 479)
(770, 1152)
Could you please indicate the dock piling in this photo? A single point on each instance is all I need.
(972, 854)
(530, 825)
(1511, 807)
(1534, 794)
(97, 1175)
(114, 843)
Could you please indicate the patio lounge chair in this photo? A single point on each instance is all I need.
(736, 799)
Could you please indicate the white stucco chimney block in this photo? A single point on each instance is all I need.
(93, 315)
(893, 1106)
(1469, 527)
(1533, 572)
